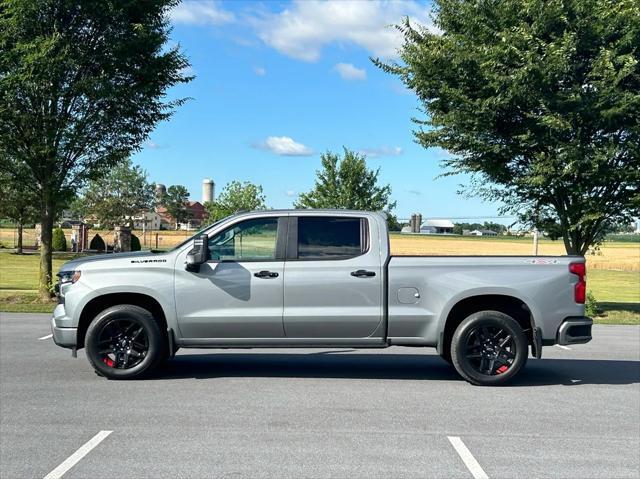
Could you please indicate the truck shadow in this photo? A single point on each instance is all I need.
(543, 372)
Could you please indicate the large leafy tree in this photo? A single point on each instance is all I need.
(176, 202)
(539, 101)
(82, 84)
(17, 204)
(346, 183)
(236, 197)
(122, 192)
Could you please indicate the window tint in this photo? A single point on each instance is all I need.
(330, 238)
(249, 240)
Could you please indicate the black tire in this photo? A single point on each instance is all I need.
(489, 348)
(124, 342)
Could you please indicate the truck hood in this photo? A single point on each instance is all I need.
(77, 263)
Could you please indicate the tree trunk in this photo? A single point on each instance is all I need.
(19, 246)
(575, 244)
(46, 219)
(568, 245)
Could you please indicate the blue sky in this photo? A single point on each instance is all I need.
(277, 83)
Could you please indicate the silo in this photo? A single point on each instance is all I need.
(161, 191)
(208, 190)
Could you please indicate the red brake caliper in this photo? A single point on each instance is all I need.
(502, 369)
(109, 362)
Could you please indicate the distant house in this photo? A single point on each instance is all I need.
(149, 220)
(437, 227)
(69, 223)
(196, 217)
(483, 233)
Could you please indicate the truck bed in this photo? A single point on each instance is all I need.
(543, 283)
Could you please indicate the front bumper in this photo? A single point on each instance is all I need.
(576, 330)
(62, 335)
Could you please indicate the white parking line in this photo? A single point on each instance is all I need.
(474, 468)
(563, 347)
(74, 458)
(45, 337)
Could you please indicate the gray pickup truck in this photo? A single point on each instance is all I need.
(316, 279)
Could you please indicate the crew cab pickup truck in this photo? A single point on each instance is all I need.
(316, 279)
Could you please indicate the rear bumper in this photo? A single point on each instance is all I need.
(576, 330)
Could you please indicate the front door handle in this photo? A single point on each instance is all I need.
(361, 273)
(266, 274)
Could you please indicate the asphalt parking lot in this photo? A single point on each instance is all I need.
(398, 412)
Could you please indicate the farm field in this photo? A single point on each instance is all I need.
(617, 256)
(613, 274)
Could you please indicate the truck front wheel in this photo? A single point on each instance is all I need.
(489, 348)
(124, 342)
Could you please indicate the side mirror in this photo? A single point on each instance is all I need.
(199, 254)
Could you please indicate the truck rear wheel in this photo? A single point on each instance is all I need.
(124, 342)
(489, 348)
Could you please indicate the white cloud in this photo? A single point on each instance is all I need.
(303, 29)
(201, 12)
(284, 146)
(348, 72)
(291, 193)
(414, 192)
(153, 146)
(382, 151)
(260, 71)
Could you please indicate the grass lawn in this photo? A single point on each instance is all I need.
(617, 292)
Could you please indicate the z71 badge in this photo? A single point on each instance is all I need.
(542, 261)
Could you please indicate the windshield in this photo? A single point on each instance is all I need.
(190, 238)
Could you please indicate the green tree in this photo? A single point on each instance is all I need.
(497, 227)
(347, 183)
(17, 204)
(539, 102)
(122, 192)
(59, 241)
(82, 84)
(458, 228)
(97, 243)
(135, 243)
(176, 201)
(393, 223)
(236, 197)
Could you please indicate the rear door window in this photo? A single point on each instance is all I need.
(331, 237)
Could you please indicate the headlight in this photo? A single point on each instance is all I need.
(68, 277)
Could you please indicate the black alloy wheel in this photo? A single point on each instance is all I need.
(489, 348)
(125, 342)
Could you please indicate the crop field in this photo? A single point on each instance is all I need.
(617, 256)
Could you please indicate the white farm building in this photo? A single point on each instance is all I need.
(437, 227)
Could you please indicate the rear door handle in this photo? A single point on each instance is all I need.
(266, 274)
(361, 273)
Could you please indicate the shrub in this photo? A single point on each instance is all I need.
(97, 243)
(591, 306)
(59, 242)
(135, 243)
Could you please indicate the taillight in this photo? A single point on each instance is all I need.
(580, 291)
